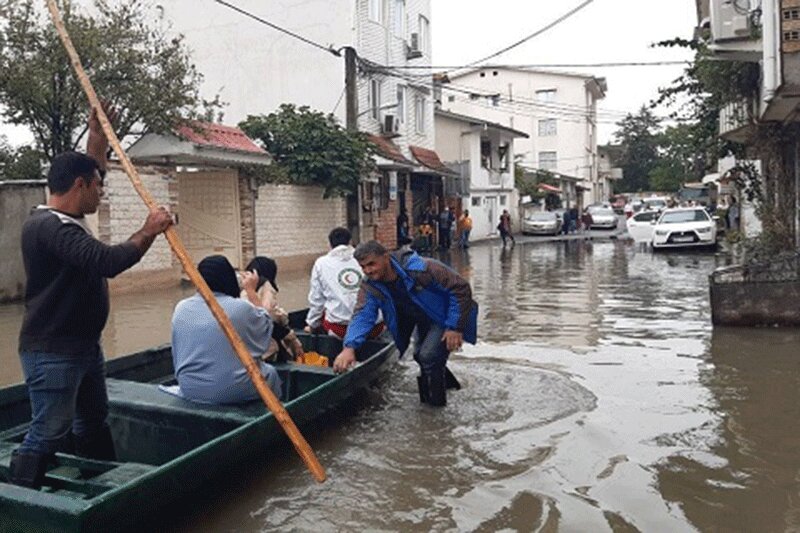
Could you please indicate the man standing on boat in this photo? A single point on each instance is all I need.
(66, 307)
(413, 292)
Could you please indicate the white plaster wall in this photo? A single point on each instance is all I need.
(576, 140)
(128, 213)
(293, 220)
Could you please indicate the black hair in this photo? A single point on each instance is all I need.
(66, 168)
(365, 249)
(339, 236)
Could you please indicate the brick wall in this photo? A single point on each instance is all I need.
(295, 221)
(122, 212)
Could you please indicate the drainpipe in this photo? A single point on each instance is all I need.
(770, 41)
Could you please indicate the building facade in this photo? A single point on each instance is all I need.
(557, 110)
(483, 154)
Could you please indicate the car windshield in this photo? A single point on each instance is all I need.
(542, 217)
(678, 217)
(646, 216)
(602, 211)
(655, 203)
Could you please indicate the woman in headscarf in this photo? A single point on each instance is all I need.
(206, 367)
(285, 343)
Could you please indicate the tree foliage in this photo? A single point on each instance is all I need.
(23, 163)
(638, 135)
(134, 65)
(311, 148)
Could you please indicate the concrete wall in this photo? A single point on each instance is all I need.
(16, 201)
(755, 304)
(294, 221)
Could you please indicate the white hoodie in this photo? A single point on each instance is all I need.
(335, 280)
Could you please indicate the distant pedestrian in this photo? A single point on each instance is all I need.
(446, 220)
(573, 220)
(402, 228)
(465, 224)
(733, 215)
(504, 227)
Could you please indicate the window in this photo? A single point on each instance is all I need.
(451, 98)
(495, 100)
(547, 127)
(476, 201)
(419, 113)
(486, 153)
(399, 18)
(503, 200)
(380, 193)
(375, 99)
(424, 35)
(547, 160)
(375, 9)
(502, 153)
(401, 104)
(546, 95)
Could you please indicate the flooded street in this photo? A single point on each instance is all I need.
(598, 399)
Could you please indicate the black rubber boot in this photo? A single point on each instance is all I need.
(450, 380)
(422, 386)
(437, 389)
(27, 469)
(97, 445)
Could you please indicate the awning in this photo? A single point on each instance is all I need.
(389, 154)
(549, 188)
(430, 160)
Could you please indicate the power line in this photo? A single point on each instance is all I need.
(547, 65)
(329, 48)
(537, 32)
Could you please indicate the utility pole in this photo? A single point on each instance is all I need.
(354, 217)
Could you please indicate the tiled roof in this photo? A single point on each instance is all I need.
(389, 150)
(218, 136)
(430, 159)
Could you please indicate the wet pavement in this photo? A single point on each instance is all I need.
(598, 399)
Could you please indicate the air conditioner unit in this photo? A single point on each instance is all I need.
(390, 124)
(730, 20)
(413, 50)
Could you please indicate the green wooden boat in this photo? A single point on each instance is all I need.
(167, 447)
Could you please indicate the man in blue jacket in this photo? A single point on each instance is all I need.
(412, 291)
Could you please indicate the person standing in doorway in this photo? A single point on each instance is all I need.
(733, 215)
(66, 308)
(505, 227)
(465, 224)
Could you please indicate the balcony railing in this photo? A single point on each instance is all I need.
(737, 120)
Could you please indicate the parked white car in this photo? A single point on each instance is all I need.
(603, 217)
(684, 227)
(641, 225)
(544, 223)
(655, 202)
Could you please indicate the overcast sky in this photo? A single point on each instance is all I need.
(604, 31)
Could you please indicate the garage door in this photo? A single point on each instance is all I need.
(209, 216)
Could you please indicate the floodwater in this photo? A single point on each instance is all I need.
(598, 399)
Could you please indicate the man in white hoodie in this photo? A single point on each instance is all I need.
(335, 280)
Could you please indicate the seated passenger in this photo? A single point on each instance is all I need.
(206, 367)
(285, 345)
(335, 280)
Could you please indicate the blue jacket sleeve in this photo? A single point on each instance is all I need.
(365, 315)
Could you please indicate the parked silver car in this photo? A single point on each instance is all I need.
(544, 223)
(603, 217)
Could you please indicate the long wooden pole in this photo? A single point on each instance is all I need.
(174, 240)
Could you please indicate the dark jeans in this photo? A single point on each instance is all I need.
(67, 394)
(444, 238)
(430, 352)
(465, 238)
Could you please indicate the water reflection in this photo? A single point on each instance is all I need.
(739, 471)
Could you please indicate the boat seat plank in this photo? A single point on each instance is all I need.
(147, 397)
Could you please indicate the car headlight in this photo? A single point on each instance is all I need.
(703, 230)
(661, 232)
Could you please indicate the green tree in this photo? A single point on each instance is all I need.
(312, 148)
(23, 163)
(638, 135)
(145, 74)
